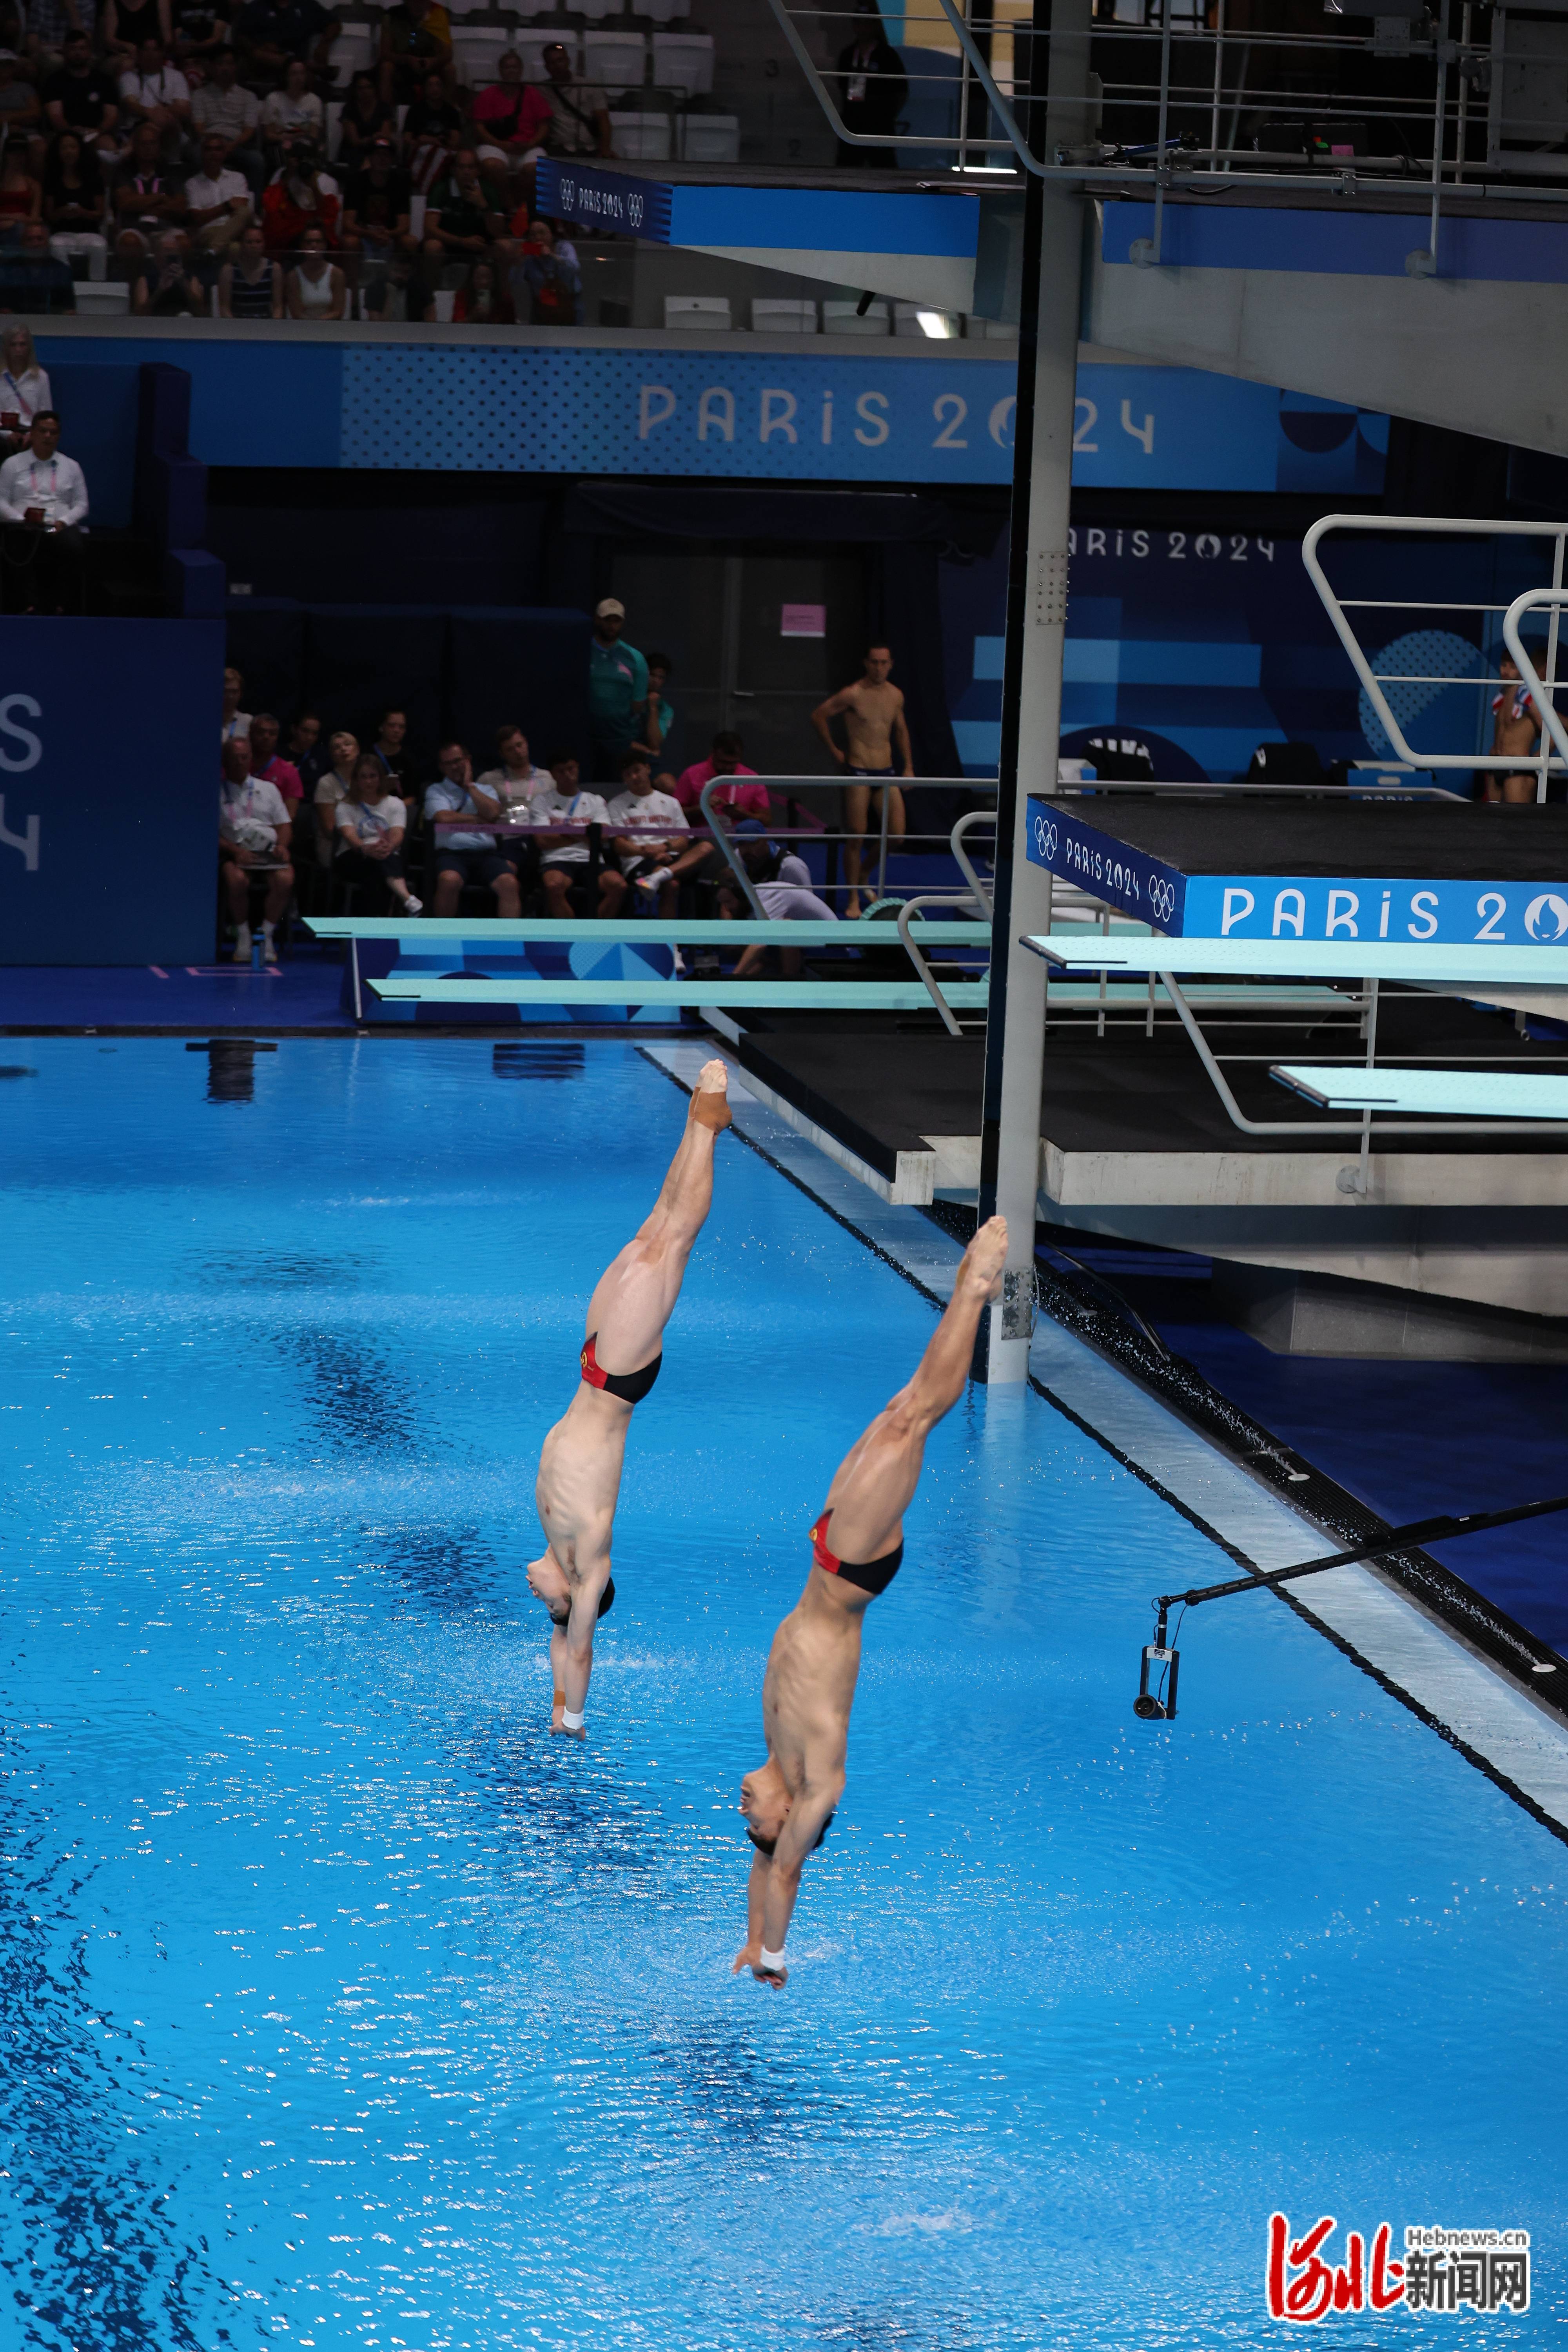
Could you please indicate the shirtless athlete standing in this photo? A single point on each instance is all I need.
(857, 1545)
(580, 1462)
(1515, 730)
(873, 715)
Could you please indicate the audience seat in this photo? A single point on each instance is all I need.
(684, 61)
(616, 61)
(665, 12)
(334, 128)
(641, 138)
(103, 299)
(774, 315)
(707, 311)
(846, 319)
(353, 51)
(709, 138)
(475, 49)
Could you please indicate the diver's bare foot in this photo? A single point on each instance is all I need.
(567, 1731)
(709, 1096)
(985, 1257)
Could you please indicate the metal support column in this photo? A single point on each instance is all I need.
(1032, 689)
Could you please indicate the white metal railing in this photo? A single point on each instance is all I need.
(1543, 688)
(1458, 123)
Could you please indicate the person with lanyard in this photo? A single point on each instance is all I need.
(253, 826)
(391, 748)
(43, 506)
(857, 1549)
(234, 721)
(516, 780)
(23, 388)
(579, 121)
(872, 88)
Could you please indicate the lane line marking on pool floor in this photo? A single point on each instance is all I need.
(1417, 1661)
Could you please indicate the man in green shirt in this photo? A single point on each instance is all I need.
(617, 682)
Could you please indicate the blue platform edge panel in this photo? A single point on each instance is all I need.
(1341, 244)
(831, 220)
(109, 861)
(1286, 906)
(479, 958)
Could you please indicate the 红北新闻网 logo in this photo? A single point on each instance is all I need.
(1441, 2270)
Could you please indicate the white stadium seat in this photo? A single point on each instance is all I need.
(710, 138)
(641, 138)
(774, 315)
(709, 312)
(684, 61)
(846, 319)
(616, 61)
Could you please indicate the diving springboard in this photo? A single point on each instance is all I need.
(775, 995)
(1447, 1094)
(1424, 963)
(423, 931)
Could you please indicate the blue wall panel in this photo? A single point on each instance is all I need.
(107, 860)
(729, 413)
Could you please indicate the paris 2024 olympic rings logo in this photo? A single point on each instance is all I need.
(1046, 838)
(1161, 900)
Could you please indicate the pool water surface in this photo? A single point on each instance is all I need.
(345, 2008)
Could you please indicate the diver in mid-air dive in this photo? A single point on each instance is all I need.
(580, 1462)
(856, 1546)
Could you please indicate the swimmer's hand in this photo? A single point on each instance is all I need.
(752, 1958)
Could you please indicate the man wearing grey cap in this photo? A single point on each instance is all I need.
(617, 681)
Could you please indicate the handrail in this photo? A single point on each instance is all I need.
(906, 914)
(975, 816)
(1443, 527)
(748, 888)
(1537, 599)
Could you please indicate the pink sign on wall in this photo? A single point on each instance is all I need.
(804, 621)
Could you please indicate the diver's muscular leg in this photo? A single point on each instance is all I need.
(636, 1295)
(875, 1483)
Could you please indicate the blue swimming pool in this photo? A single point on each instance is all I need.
(345, 2010)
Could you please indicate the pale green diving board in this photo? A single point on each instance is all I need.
(424, 931)
(776, 995)
(1446, 1094)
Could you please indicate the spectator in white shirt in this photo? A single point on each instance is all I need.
(566, 854)
(23, 388)
(236, 722)
(286, 112)
(219, 198)
(645, 855)
(157, 92)
(369, 824)
(252, 838)
(460, 855)
(333, 786)
(516, 780)
(43, 505)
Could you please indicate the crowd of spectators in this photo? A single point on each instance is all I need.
(314, 813)
(184, 152)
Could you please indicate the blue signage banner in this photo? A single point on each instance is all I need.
(109, 859)
(1286, 906)
(1123, 877)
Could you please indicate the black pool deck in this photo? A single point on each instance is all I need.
(882, 1087)
(1403, 840)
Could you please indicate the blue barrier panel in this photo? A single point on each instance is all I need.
(109, 856)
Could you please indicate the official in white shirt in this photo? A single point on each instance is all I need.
(253, 826)
(566, 854)
(43, 506)
(23, 388)
(464, 855)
